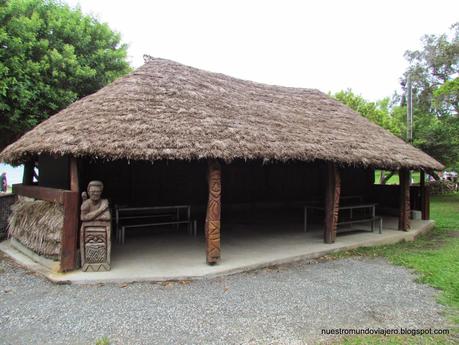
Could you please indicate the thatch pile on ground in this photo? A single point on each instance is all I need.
(442, 187)
(6, 200)
(37, 224)
(166, 110)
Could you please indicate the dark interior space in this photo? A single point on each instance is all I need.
(253, 192)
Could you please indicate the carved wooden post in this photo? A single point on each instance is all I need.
(425, 197)
(404, 217)
(332, 193)
(212, 227)
(427, 203)
(422, 189)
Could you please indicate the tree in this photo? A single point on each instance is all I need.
(439, 137)
(379, 112)
(434, 72)
(50, 56)
(446, 96)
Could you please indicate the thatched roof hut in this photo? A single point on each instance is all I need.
(188, 121)
(166, 110)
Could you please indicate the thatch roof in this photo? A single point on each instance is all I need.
(166, 110)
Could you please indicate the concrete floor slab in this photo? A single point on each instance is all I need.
(178, 256)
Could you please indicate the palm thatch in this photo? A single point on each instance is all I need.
(6, 200)
(37, 224)
(166, 110)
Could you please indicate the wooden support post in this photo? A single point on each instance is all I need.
(69, 239)
(74, 182)
(426, 205)
(425, 197)
(70, 232)
(332, 193)
(422, 190)
(212, 226)
(27, 178)
(404, 216)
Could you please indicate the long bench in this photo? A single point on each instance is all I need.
(371, 218)
(146, 217)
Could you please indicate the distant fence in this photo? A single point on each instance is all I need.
(6, 200)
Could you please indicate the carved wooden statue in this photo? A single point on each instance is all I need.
(95, 243)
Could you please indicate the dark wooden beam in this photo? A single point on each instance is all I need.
(74, 182)
(422, 190)
(426, 204)
(332, 193)
(69, 238)
(40, 193)
(425, 197)
(404, 216)
(212, 226)
(27, 178)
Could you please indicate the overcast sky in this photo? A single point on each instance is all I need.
(328, 45)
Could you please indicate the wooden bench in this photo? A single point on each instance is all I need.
(146, 217)
(371, 218)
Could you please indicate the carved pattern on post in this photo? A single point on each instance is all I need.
(94, 246)
(333, 190)
(404, 216)
(212, 227)
(95, 241)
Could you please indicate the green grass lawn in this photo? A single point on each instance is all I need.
(436, 257)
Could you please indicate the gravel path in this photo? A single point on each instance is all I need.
(286, 305)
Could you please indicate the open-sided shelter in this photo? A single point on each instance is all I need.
(171, 134)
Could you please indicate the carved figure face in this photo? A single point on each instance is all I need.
(95, 193)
